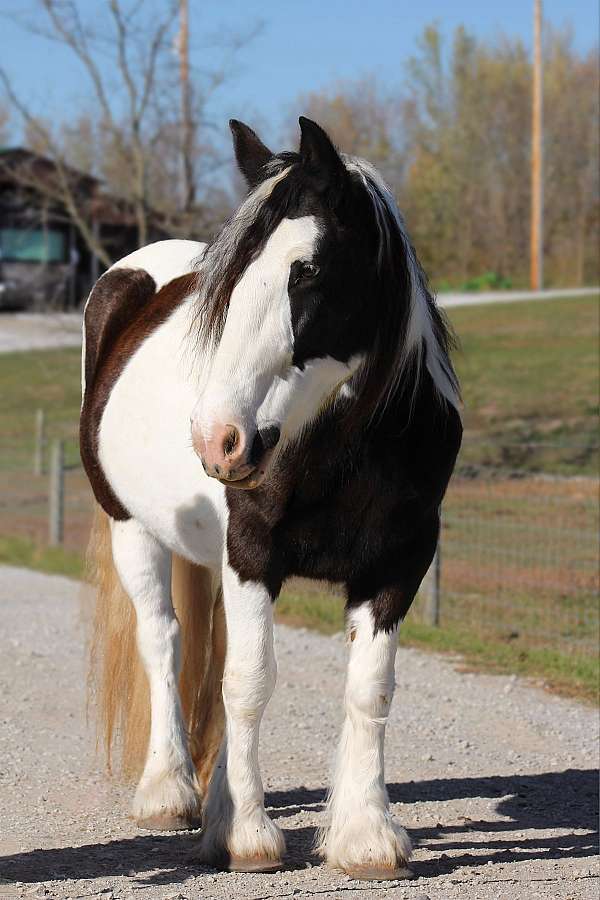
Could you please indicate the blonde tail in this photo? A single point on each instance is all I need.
(117, 678)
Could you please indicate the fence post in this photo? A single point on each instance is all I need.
(56, 509)
(40, 442)
(434, 578)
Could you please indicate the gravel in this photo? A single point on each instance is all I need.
(493, 778)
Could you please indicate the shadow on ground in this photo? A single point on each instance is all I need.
(552, 800)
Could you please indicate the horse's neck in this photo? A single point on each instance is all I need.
(412, 441)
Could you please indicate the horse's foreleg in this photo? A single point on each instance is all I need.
(167, 796)
(237, 833)
(362, 837)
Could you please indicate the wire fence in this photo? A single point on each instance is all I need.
(518, 558)
(518, 555)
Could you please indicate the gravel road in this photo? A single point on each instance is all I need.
(39, 331)
(493, 778)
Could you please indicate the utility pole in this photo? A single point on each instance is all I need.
(187, 123)
(537, 175)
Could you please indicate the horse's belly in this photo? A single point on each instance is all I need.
(146, 452)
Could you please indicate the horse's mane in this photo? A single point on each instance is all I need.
(409, 334)
(413, 333)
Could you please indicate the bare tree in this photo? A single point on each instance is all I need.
(453, 141)
(136, 137)
(4, 123)
(135, 55)
(361, 118)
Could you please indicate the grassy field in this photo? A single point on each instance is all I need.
(48, 380)
(529, 374)
(520, 555)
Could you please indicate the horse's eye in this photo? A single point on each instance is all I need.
(305, 272)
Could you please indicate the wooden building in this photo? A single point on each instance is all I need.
(44, 261)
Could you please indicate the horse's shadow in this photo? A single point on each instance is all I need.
(552, 800)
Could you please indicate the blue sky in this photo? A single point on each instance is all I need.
(302, 46)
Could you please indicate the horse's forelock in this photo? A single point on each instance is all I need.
(226, 258)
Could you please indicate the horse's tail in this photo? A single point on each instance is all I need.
(118, 682)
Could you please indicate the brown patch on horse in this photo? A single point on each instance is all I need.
(124, 309)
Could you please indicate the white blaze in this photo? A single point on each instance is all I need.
(252, 382)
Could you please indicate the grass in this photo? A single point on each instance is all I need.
(40, 379)
(520, 555)
(529, 373)
(20, 551)
(573, 676)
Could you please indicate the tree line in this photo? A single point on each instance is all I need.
(453, 140)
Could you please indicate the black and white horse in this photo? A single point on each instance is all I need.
(278, 403)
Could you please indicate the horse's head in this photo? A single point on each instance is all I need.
(298, 294)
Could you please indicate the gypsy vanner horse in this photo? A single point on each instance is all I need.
(277, 403)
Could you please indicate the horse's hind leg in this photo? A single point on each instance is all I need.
(167, 796)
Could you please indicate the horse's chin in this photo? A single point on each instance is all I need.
(255, 478)
(249, 483)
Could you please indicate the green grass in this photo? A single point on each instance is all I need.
(40, 379)
(19, 551)
(574, 676)
(529, 374)
(521, 555)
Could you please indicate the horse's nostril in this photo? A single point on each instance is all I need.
(264, 440)
(270, 436)
(231, 440)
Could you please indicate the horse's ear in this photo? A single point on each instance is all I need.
(250, 152)
(317, 152)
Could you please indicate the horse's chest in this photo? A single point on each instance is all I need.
(336, 537)
(333, 523)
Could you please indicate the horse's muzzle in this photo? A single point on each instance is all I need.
(228, 456)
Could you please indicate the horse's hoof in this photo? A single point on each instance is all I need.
(169, 822)
(253, 864)
(379, 873)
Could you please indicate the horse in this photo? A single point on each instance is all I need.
(280, 402)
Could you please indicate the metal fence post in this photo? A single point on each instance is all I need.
(56, 510)
(434, 577)
(40, 442)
